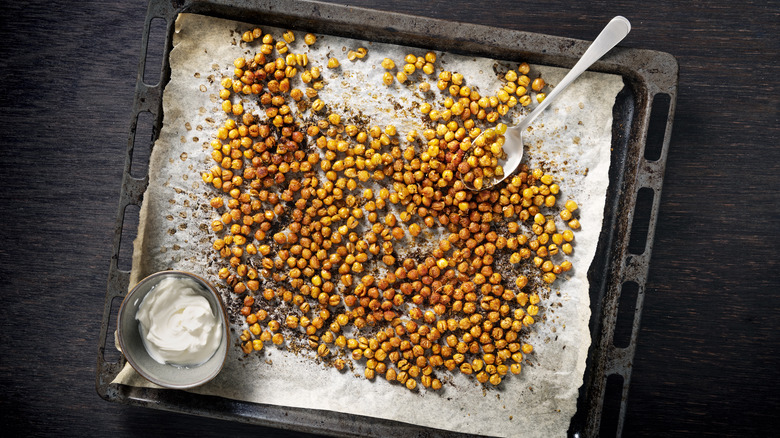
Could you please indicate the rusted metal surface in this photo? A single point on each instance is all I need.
(646, 73)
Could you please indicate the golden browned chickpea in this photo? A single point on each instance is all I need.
(538, 84)
(388, 64)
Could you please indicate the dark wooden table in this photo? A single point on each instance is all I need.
(708, 358)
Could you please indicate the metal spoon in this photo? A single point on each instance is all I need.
(613, 33)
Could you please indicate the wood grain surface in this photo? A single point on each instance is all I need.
(708, 349)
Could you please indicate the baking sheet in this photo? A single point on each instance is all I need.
(572, 139)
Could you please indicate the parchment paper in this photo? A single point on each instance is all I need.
(571, 139)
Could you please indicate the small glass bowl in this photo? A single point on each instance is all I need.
(168, 375)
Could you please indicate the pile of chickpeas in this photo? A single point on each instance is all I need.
(316, 221)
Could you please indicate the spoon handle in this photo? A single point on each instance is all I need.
(610, 36)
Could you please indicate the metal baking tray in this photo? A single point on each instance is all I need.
(643, 115)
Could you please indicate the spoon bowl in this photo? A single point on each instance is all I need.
(610, 36)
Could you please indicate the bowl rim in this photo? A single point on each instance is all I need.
(223, 317)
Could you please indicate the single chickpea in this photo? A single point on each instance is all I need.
(524, 68)
(457, 78)
(388, 64)
(538, 84)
